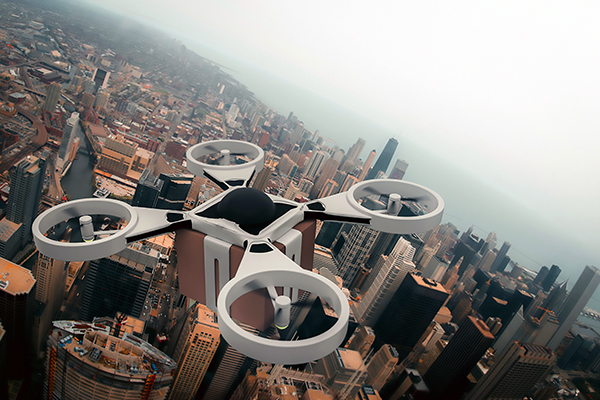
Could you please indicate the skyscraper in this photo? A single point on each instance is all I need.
(409, 313)
(69, 133)
(147, 190)
(362, 341)
(16, 287)
(381, 366)
(355, 251)
(26, 181)
(388, 275)
(515, 373)
(344, 371)
(52, 95)
(102, 100)
(383, 162)
(447, 376)
(367, 166)
(500, 256)
(85, 362)
(315, 164)
(50, 276)
(194, 351)
(399, 169)
(119, 282)
(550, 278)
(355, 150)
(327, 172)
(578, 298)
(100, 78)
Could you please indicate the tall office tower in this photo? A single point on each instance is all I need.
(26, 182)
(52, 95)
(232, 114)
(194, 351)
(362, 341)
(85, 362)
(516, 371)
(541, 275)
(447, 376)
(330, 188)
(75, 83)
(367, 166)
(434, 269)
(465, 249)
(262, 179)
(578, 298)
(147, 191)
(500, 256)
(548, 282)
(174, 191)
(408, 314)
(88, 99)
(16, 292)
(576, 351)
(490, 243)
(389, 274)
(355, 252)
(384, 245)
(355, 150)
(399, 170)
(119, 282)
(348, 183)
(328, 233)
(381, 366)
(102, 100)
(383, 162)
(344, 371)
(327, 172)
(226, 371)
(315, 163)
(485, 263)
(100, 78)
(50, 276)
(66, 143)
(10, 238)
(555, 299)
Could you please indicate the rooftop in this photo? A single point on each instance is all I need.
(7, 229)
(428, 283)
(15, 279)
(350, 359)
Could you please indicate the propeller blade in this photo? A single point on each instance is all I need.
(212, 148)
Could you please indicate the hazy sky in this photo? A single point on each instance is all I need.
(509, 89)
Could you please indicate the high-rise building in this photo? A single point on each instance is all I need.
(52, 95)
(50, 276)
(100, 78)
(174, 191)
(447, 376)
(383, 162)
(226, 371)
(399, 169)
(344, 371)
(119, 282)
(500, 256)
(381, 366)
(315, 163)
(388, 275)
(66, 143)
(516, 371)
(355, 150)
(10, 238)
(85, 362)
(194, 351)
(262, 179)
(355, 252)
(147, 190)
(327, 172)
(3, 365)
(362, 341)
(409, 312)
(577, 299)
(367, 166)
(541, 275)
(26, 182)
(102, 100)
(550, 278)
(16, 294)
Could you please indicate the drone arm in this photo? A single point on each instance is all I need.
(154, 222)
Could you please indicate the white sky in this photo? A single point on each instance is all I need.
(512, 87)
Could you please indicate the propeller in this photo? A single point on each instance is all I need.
(264, 266)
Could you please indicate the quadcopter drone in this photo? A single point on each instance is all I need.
(245, 253)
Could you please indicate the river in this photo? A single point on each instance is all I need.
(77, 182)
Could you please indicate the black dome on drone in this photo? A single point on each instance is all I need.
(247, 206)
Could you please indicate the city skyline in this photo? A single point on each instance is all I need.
(451, 286)
(461, 167)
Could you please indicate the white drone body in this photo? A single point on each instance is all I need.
(265, 232)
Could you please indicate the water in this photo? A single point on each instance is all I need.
(77, 183)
